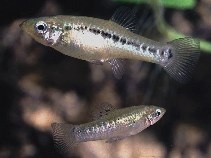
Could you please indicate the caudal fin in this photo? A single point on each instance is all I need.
(185, 54)
(63, 136)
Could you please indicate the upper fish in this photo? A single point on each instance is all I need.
(111, 125)
(98, 41)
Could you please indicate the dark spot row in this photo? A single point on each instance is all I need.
(114, 37)
(79, 27)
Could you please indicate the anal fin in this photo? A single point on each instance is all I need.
(118, 67)
(97, 62)
(114, 139)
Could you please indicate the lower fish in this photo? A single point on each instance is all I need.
(111, 125)
(112, 41)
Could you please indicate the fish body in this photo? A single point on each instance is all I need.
(98, 40)
(93, 39)
(115, 125)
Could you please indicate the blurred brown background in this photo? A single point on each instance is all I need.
(39, 86)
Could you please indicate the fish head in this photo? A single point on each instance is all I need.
(154, 113)
(45, 30)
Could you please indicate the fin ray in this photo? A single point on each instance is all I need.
(186, 52)
(118, 67)
(126, 18)
(63, 136)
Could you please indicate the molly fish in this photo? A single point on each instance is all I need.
(98, 41)
(111, 126)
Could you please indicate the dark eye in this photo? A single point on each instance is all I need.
(40, 27)
(158, 112)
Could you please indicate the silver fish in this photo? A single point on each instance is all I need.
(112, 126)
(112, 41)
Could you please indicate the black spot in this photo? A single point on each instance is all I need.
(109, 35)
(106, 34)
(85, 27)
(103, 34)
(93, 30)
(129, 42)
(67, 27)
(123, 40)
(115, 38)
(153, 50)
(170, 55)
(144, 47)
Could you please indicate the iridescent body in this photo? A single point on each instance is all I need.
(98, 40)
(115, 125)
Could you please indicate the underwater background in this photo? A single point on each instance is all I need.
(39, 86)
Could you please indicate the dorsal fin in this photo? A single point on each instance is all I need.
(102, 110)
(125, 17)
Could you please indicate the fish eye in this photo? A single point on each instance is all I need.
(40, 27)
(158, 112)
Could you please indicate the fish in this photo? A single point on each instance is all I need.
(113, 41)
(109, 124)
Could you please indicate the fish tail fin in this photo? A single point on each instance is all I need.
(63, 136)
(183, 58)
